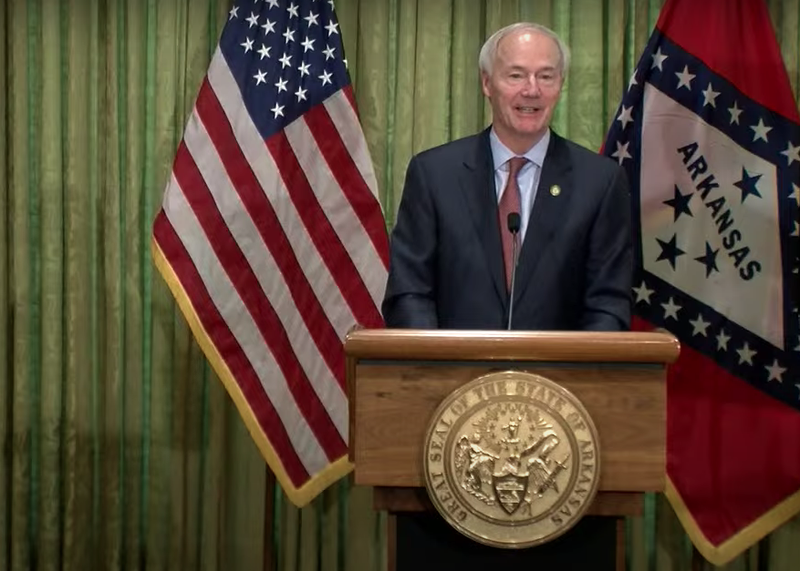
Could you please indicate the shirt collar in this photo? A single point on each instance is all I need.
(501, 154)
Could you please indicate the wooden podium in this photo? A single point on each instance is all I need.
(397, 378)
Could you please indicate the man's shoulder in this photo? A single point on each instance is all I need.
(453, 151)
(589, 160)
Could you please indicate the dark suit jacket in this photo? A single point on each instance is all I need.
(575, 264)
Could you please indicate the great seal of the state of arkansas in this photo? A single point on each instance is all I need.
(511, 459)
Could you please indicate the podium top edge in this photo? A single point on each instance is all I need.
(561, 346)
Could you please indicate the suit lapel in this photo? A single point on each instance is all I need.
(477, 182)
(549, 211)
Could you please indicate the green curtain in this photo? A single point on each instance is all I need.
(119, 448)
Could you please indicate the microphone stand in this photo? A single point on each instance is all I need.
(513, 223)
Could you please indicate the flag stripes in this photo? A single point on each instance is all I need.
(352, 184)
(237, 361)
(217, 155)
(265, 323)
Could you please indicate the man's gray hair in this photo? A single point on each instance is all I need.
(489, 50)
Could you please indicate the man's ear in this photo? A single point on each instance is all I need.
(485, 83)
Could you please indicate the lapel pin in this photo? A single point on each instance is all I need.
(555, 190)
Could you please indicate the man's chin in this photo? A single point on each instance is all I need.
(521, 135)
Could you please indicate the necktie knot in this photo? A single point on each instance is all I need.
(515, 165)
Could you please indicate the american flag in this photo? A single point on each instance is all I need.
(708, 133)
(271, 236)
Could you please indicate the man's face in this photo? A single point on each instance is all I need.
(523, 88)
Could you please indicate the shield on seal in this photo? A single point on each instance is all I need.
(510, 491)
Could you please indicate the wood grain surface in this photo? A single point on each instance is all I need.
(392, 404)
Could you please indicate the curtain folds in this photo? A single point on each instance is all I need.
(119, 448)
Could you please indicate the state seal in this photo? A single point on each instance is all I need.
(511, 459)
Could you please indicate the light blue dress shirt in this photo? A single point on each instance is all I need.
(528, 178)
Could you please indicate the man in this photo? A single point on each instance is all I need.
(451, 252)
(452, 256)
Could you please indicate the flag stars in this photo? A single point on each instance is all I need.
(300, 94)
(643, 293)
(709, 260)
(795, 195)
(669, 250)
(272, 4)
(658, 60)
(760, 131)
(308, 44)
(680, 203)
(632, 81)
(735, 112)
(263, 51)
(710, 96)
(288, 35)
(775, 372)
(333, 28)
(286, 60)
(792, 154)
(260, 77)
(312, 19)
(281, 85)
(234, 13)
(303, 68)
(328, 51)
(722, 340)
(746, 354)
(247, 45)
(700, 325)
(622, 152)
(277, 110)
(625, 116)
(269, 27)
(326, 78)
(685, 78)
(671, 309)
(292, 9)
(253, 20)
(748, 185)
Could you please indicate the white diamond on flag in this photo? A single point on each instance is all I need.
(726, 204)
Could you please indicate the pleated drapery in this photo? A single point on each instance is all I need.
(119, 448)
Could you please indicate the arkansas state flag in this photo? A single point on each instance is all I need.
(708, 133)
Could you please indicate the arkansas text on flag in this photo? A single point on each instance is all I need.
(708, 134)
(271, 236)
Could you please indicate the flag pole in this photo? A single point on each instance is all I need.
(762, 563)
(698, 562)
(270, 563)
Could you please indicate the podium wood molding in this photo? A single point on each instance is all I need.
(438, 345)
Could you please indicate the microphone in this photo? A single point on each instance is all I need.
(513, 223)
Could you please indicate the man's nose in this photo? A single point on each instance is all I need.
(532, 88)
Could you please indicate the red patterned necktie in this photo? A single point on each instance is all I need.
(509, 202)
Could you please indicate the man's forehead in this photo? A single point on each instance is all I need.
(527, 39)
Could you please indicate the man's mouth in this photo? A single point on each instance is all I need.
(525, 109)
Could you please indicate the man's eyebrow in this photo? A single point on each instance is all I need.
(517, 67)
